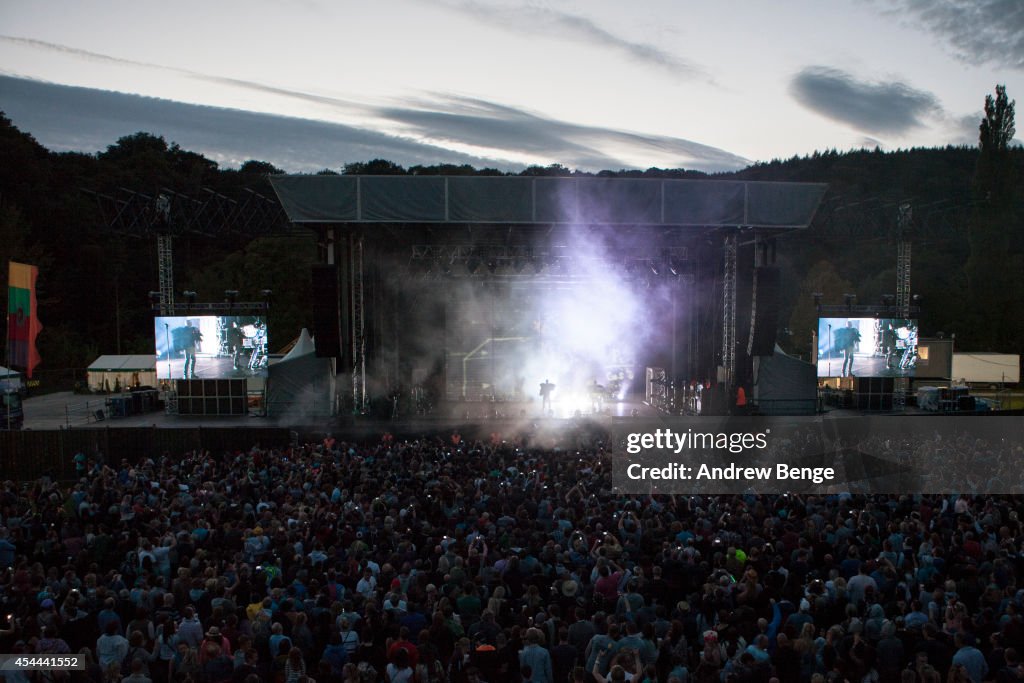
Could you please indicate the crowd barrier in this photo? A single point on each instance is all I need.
(29, 454)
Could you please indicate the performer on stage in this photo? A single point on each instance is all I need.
(889, 344)
(846, 340)
(545, 392)
(596, 392)
(190, 338)
(234, 337)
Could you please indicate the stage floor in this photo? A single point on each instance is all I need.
(63, 410)
(207, 367)
(863, 366)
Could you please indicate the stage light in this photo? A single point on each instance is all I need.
(190, 297)
(492, 265)
(850, 300)
(518, 265)
(154, 299)
(472, 265)
(655, 268)
(231, 295)
(674, 268)
(266, 293)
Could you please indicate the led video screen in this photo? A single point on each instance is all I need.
(210, 346)
(867, 347)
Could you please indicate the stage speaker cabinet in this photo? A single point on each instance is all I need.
(765, 319)
(326, 312)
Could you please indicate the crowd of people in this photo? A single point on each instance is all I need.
(447, 559)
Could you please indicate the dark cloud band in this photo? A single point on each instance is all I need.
(67, 118)
(977, 31)
(535, 20)
(878, 108)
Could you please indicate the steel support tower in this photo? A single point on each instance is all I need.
(358, 326)
(165, 265)
(903, 250)
(729, 309)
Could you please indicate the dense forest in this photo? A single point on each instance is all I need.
(94, 281)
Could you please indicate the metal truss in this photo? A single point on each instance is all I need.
(866, 311)
(211, 213)
(903, 250)
(478, 260)
(903, 260)
(165, 265)
(358, 326)
(872, 217)
(220, 308)
(729, 308)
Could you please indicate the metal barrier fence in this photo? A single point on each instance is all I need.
(787, 406)
(29, 454)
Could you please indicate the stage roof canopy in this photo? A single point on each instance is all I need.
(508, 200)
(128, 363)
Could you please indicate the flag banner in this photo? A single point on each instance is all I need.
(23, 324)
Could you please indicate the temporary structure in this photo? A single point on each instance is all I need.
(122, 371)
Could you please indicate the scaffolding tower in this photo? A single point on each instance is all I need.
(165, 265)
(729, 309)
(358, 327)
(903, 250)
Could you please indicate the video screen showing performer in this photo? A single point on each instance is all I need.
(210, 346)
(867, 347)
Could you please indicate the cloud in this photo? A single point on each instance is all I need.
(965, 129)
(487, 124)
(868, 142)
(439, 130)
(976, 31)
(455, 129)
(67, 118)
(880, 108)
(533, 20)
(78, 52)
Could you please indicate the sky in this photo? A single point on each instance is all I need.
(591, 85)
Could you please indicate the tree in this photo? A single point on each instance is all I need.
(374, 167)
(994, 175)
(996, 235)
(997, 128)
(822, 278)
(138, 144)
(253, 167)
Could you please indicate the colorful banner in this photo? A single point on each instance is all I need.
(23, 324)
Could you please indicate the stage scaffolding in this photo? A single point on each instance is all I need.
(507, 229)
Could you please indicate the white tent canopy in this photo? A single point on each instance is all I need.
(11, 377)
(126, 371)
(299, 385)
(303, 346)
